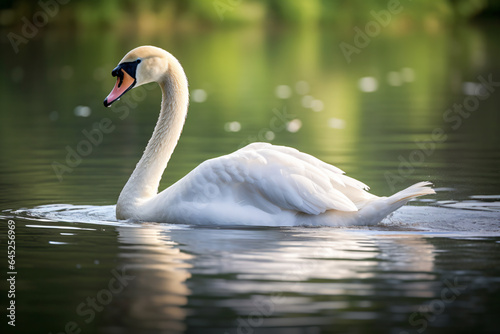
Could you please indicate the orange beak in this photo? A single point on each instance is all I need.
(124, 82)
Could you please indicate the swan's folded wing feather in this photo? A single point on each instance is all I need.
(274, 178)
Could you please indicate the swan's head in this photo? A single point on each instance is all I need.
(140, 66)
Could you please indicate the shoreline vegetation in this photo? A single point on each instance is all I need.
(150, 15)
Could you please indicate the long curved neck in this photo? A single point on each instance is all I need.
(144, 181)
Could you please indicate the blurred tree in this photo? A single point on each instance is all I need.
(468, 8)
(227, 12)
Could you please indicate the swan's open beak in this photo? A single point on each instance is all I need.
(124, 82)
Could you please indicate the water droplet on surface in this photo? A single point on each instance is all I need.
(368, 84)
(283, 91)
(232, 126)
(336, 123)
(294, 125)
(472, 88)
(269, 135)
(82, 111)
(199, 95)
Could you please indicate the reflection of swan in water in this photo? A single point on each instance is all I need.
(155, 297)
(233, 269)
(186, 276)
(258, 184)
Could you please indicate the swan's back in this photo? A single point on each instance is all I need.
(263, 180)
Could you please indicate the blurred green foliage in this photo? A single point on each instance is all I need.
(187, 13)
(240, 69)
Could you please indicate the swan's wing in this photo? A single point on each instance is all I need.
(273, 178)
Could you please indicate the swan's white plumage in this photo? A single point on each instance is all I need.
(260, 184)
(278, 176)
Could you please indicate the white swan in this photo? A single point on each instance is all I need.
(260, 184)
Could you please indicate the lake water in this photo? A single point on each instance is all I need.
(433, 266)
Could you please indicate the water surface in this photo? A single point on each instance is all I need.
(431, 267)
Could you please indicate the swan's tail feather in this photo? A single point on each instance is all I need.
(418, 189)
(379, 209)
(374, 211)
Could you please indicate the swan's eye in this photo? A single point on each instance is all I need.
(120, 77)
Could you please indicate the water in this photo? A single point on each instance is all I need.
(431, 267)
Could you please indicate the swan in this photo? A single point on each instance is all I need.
(260, 184)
